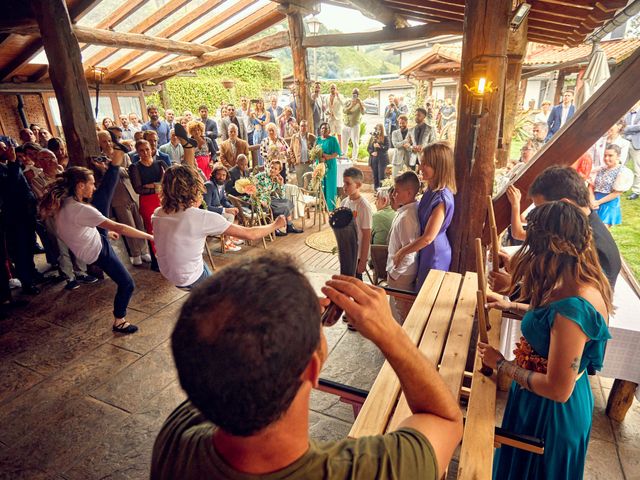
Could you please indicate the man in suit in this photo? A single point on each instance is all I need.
(561, 113)
(232, 147)
(216, 199)
(232, 119)
(632, 132)
(241, 170)
(421, 135)
(318, 111)
(401, 142)
(301, 143)
(274, 110)
(210, 126)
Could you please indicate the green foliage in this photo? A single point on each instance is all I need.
(346, 87)
(627, 234)
(252, 79)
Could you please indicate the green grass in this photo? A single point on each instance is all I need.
(627, 234)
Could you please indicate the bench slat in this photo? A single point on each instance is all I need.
(383, 396)
(476, 455)
(456, 350)
(434, 336)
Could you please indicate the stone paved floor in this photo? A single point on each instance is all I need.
(77, 402)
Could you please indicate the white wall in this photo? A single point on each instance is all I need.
(409, 56)
(532, 93)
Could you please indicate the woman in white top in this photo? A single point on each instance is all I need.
(76, 223)
(181, 227)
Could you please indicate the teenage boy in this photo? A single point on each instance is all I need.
(404, 230)
(363, 213)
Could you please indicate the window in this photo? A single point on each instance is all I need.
(130, 105)
(105, 108)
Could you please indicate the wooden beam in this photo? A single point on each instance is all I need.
(557, 66)
(28, 52)
(95, 36)
(483, 54)
(384, 36)
(67, 77)
(591, 121)
(149, 22)
(167, 32)
(516, 51)
(559, 86)
(241, 50)
(123, 12)
(376, 10)
(300, 68)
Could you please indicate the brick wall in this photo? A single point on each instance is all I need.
(33, 109)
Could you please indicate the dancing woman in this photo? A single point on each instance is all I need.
(564, 331)
(77, 224)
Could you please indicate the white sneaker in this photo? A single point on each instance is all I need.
(238, 241)
(14, 283)
(230, 247)
(136, 260)
(146, 258)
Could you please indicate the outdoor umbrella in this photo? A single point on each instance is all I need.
(595, 75)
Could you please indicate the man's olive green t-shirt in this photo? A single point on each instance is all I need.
(184, 450)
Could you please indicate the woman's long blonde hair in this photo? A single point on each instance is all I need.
(439, 156)
(62, 188)
(559, 244)
(182, 188)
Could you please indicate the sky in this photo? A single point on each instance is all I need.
(346, 20)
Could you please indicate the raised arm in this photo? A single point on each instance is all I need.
(126, 230)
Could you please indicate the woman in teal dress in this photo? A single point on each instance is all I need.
(330, 151)
(564, 331)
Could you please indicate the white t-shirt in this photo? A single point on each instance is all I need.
(179, 239)
(76, 226)
(363, 212)
(405, 228)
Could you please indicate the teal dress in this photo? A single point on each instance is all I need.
(330, 146)
(565, 427)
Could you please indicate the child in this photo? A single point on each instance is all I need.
(405, 229)
(362, 211)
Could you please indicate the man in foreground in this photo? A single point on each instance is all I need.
(249, 368)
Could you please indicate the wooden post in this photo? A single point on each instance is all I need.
(68, 80)
(516, 50)
(559, 87)
(430, 87)
(620, 399)
(484, 49)
(300, 70)
(165, 101)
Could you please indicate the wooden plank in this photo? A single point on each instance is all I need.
(476, 455)
(434, 336)
(67, 77)
(383, 396)
(456, 350)
(610, 103)
(384, 36)
(482, 55)
(378, 11)
(300, 68)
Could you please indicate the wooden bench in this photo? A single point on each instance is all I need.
(441, 324)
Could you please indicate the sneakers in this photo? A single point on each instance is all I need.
(136, 260)
(14, 283)
(237, 241)
(231, 247)
(633, 196)
(86, 279)
(146, 258)
(124, 327)
(72, 285)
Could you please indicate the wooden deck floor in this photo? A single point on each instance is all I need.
(77, 402)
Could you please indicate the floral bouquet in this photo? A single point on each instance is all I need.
(528, 358)
(317, 176)
(246, 186)
(315, 154)
(277, 152)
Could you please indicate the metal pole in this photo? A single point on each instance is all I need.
(97, 97)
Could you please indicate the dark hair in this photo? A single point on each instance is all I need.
(324, 124)
(354, 173)
(614, 147)
(421, 110)
(409, 179)
(31, 146)
(151, 107)
(203, 107)
(55, 143)
(240, 362)
(556, 183)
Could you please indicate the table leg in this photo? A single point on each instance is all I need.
(620, 399)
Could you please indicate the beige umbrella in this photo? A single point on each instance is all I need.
(596, 74)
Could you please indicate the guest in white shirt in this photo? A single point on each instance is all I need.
(613, 137)
(173, 149)
(404, 230)
(353, 179)
(181, 228)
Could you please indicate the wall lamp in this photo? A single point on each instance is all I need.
(479, 88)
(521, 14)
(98, 78)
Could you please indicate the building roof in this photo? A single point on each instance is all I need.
(444, 60)
(395, 84)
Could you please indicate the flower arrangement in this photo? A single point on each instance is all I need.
(315, 154)
(277, 151)
(526, 357)
(317, 176)
(245, 186)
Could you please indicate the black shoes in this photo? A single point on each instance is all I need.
(72, 285)
(292, 229)
(86, 279)
(121, 328)
(634, 196)
(30, 290)
(280, 233)
(114, 139)
(185, 139)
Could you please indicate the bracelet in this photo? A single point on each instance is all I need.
(520, 375)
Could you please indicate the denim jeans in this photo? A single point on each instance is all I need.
(109, 262)
(206, 273)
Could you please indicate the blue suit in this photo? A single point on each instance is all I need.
(632, 132)
(555, 118)
(162, 157)
(216, 199)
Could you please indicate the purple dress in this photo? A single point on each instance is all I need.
(437, 254)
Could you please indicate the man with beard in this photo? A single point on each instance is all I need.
(157, 125)
(232, 147)
(216, 199)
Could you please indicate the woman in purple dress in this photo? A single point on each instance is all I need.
(435, 212)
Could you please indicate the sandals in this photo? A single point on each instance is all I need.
(116, 144)
(181, 133)
(121, 328)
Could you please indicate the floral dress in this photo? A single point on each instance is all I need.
(271, 194)
(607, 180)
(275, 150)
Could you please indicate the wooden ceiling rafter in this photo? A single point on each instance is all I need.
(431, 6)
(149, 22)
(430, 16)
(239, 31)
(378, 11)
(209, 25)
(167, 32)
(121, 13)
